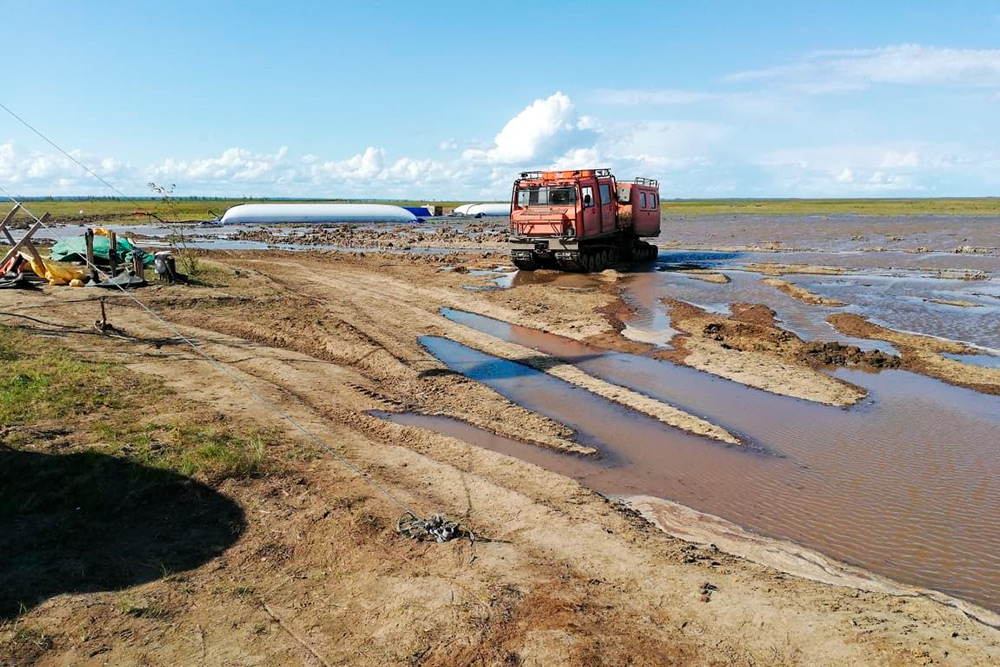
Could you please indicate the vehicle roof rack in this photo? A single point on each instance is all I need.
(652, 182)
(565, 173)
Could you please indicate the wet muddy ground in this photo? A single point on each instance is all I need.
(902, 483)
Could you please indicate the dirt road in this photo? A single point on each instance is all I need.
(320, 577)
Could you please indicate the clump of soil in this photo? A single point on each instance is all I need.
(960, 303)
(838, 354)
(753, 313)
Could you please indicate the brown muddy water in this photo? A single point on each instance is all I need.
(903, 484)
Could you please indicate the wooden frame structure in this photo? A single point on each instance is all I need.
(25, 241)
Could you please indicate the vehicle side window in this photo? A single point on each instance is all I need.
(654, 200)
(605, 195)
(642, 200)
(588, 196)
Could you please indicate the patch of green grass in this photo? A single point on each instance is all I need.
(45, 389)
(39, 382)
(219, 455)
(875, 207)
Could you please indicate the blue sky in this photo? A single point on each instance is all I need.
(450, 100)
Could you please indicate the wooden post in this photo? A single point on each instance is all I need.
(6, 220)
(34, 253)
(29, 244)
(89, 238)
(113, 253)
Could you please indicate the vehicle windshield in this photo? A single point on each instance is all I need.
(546, 196)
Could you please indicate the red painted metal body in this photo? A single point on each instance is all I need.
(560, 218)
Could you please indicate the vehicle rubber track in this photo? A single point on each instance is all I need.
(525, 264)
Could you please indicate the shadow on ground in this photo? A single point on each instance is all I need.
(87, 522)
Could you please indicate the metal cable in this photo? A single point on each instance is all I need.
(75, 161)
(274, 408)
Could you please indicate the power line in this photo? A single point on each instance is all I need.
(75, 161)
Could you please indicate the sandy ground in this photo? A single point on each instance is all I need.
(778, 269)
(801, 293)
(707, 275)
(320, 577)
(749, 348)
(922, 354)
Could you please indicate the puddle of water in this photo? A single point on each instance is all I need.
(640, 333)
(903, 484)
(984, 360)
(455, 428)
(649, 322)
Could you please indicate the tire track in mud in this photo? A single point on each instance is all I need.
(434, 324)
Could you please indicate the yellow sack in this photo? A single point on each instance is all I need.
(57, 273)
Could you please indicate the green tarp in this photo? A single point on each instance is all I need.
(74, 249)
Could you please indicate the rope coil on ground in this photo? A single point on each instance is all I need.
(436, 528)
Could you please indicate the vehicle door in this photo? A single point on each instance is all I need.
(590, 212)
(607, 206)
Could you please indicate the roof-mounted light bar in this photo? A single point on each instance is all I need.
(554, 175)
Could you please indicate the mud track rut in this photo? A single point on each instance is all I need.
(383, 316)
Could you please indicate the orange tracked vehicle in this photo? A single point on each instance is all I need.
(582, 220)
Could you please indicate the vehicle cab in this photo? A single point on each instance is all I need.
(572, 204)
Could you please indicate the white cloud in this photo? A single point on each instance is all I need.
(28, 169)
(845, 176)
(235, 164)
(578, 158)
(542, 132)
(903, 158)
(903, 64)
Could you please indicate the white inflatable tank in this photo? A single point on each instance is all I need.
(250, 214)
(484, 209)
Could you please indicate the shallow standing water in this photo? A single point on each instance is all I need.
(902, 484)
(903, 299)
